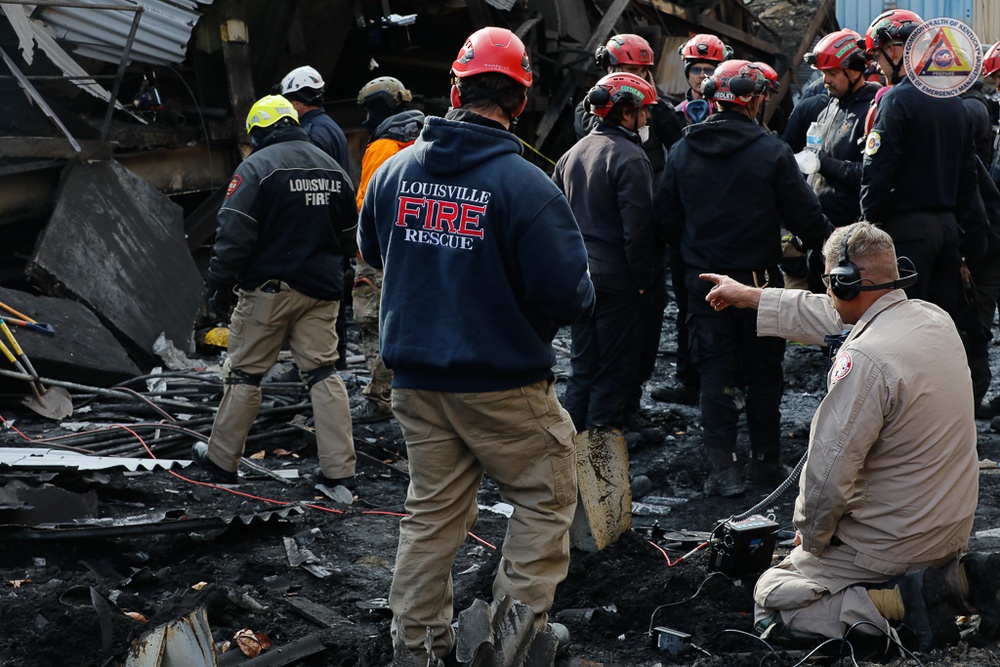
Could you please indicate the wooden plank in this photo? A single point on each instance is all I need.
(714, 26)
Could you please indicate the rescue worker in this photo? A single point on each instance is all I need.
(631, 54)
(735, 228)
(701, 55)
(286, 223)
(919, 171)
(607, 179)
(835, 173)
(888, 491)
(393, 127)
(304, 88)
(483, 262)
(773, 87)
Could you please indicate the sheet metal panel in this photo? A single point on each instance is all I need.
(162, 37)
(858, 14)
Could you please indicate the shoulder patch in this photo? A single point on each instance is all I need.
(873, 143)
(841, 367)
(233, 184)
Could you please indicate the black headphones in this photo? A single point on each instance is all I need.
(740, 86)
(599, 97)
(845, 278)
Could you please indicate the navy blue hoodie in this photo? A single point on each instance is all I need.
(482, 258)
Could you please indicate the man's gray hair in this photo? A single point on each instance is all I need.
(868, 247)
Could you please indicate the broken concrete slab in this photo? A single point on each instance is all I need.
(117, 245)
(82, 349)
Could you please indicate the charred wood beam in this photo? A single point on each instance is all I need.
(565, 92)
(239, 66)
(701, 23)
(824, 18)
(53, 148)
(479, 11)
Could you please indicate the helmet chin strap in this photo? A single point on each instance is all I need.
(896, 67)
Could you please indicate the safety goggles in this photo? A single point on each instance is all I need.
(698, 70)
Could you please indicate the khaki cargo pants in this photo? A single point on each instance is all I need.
(261, 324)
(822, 595)
(523, 439)
(366, 295)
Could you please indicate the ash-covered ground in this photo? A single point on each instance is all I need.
(66, 601)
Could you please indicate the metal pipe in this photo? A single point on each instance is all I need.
(120, 73)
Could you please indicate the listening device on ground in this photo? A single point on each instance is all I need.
(743, 547)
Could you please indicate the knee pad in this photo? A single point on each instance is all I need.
(317, 375)
(234, 377)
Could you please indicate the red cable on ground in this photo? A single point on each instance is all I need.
(678, 561)
(243, 494)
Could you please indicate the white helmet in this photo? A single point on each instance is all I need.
(302, 77)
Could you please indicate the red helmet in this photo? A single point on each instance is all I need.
(894, 25)
(496, 50)
(736, 82)
(991, 63)
(705, 47)
(624, 50)
(838, 50)
(619, 88)
(770, 74)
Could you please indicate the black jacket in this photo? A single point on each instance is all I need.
(919, 156)
(606, 178)
(289, 215)
(838, 183)
(728, 189)
(804, 113)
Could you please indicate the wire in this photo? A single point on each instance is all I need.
(678, 561)
(752, 636)
(537, 152)
(677, 602)
(890, 635)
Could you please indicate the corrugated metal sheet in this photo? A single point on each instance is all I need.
(858, 14)
(162, 37)
(670, 67)
(986, 20)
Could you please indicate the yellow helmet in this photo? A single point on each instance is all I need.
(269, 110)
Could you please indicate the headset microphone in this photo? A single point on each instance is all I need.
(846, 280)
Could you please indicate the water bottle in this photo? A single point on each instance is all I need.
(814, 137)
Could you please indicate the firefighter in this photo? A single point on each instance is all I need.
(483, 263)
(835, 173)
(607, 179)
(701, 55)
(754, 188)
(286, 223)
(393, 127)
(918, 176)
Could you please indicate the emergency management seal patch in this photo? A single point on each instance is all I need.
(873, 143)
(841, 367)
(943, 57)
(233, 184)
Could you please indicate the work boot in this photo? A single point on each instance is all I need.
(727, 483)
(767, 473)
(346, 482)
(982, 572)
(684, 394)
(199, 454)
(370, 412)
(919, 600)
(561, 633)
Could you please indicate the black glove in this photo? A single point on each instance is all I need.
(218, 301)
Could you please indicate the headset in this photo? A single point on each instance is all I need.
(845, 278)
